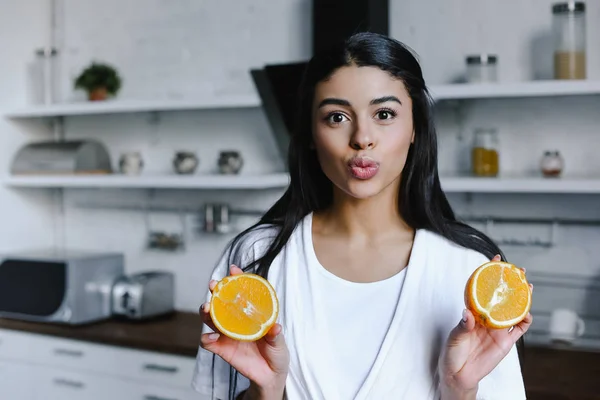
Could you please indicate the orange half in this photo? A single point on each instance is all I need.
(244, 307)
(498, 295)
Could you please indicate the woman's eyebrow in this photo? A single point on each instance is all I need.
(334, 101)
(385, 99)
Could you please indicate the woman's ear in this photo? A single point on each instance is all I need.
(412, 139)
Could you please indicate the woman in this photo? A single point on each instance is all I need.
(365, 253)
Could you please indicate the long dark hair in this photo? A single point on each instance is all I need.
(421, 201)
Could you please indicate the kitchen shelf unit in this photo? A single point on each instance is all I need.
(521, 184)
(440, 93)
(450, 184)
(117, 181)
(131, 106)
(447, 92)
(542, 88)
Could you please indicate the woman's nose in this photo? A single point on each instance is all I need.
(362, 139)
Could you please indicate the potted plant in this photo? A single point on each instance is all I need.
(99, 81)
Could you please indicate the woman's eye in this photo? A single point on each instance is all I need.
(336, 118)
(385, 114)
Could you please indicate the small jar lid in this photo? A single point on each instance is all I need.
(483, 59)
(46, 51)
(568, 7)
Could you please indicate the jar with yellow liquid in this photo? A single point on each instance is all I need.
(568, 24)
(484, 154)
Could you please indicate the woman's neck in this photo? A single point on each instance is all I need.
(372, 217)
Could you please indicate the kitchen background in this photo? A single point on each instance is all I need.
(191, 61)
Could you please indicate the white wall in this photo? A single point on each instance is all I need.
(176, 50)
(188, 48)
(27, 216)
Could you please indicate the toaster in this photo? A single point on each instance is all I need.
(144, 295)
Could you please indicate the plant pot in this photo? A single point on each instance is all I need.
(98, 94)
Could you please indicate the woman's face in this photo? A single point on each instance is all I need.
(362, 130)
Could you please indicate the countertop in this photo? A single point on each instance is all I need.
(178, 333)
(561, 373)
(550, 373)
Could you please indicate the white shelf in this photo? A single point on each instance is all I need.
(547, 88)
(438, 92)
(450, 184)
(507, 184)
(132, 106)
(207, 182)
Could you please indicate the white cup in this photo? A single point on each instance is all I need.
(565, 325)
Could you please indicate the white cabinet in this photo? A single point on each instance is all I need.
(15, 381)
(61, 384)
(39, 367)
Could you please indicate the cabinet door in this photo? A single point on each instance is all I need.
(15, 381)
(61, 384)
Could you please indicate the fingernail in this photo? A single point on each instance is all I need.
(213, 336)
(464, 316)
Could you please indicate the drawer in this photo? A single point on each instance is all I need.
(161, 369)
(146, 366)
(153, 392)
(58, 384)
(14, 345)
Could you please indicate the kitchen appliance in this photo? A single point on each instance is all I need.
(76, 287)
(278, 84)
(58, 286)
(69, 157)
(144, 295)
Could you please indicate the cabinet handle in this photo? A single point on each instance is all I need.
(68, 352)
(69, 383)
(152, 397)
(160, 368)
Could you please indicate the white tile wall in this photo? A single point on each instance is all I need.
(27, 216)
(187, 48)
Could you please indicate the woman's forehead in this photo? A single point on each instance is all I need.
(360, 85)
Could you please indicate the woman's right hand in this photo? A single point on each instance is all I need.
(264, 362)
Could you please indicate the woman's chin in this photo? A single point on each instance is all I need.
(363, 189)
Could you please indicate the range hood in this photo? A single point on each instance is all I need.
(332, 21)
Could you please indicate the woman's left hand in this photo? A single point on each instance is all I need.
(472, 351)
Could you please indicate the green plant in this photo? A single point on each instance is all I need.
(99, 76)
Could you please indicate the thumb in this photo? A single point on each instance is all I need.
(464, 327)
(274, 337)
(275, 349)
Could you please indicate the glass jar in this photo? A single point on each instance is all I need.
(552, 164)
(569, 40)
(482, 68)
(484, 154)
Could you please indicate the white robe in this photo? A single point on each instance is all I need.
(430, 305)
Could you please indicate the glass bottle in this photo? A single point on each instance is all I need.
(43, 78)
(484, 154)
(568, 26)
